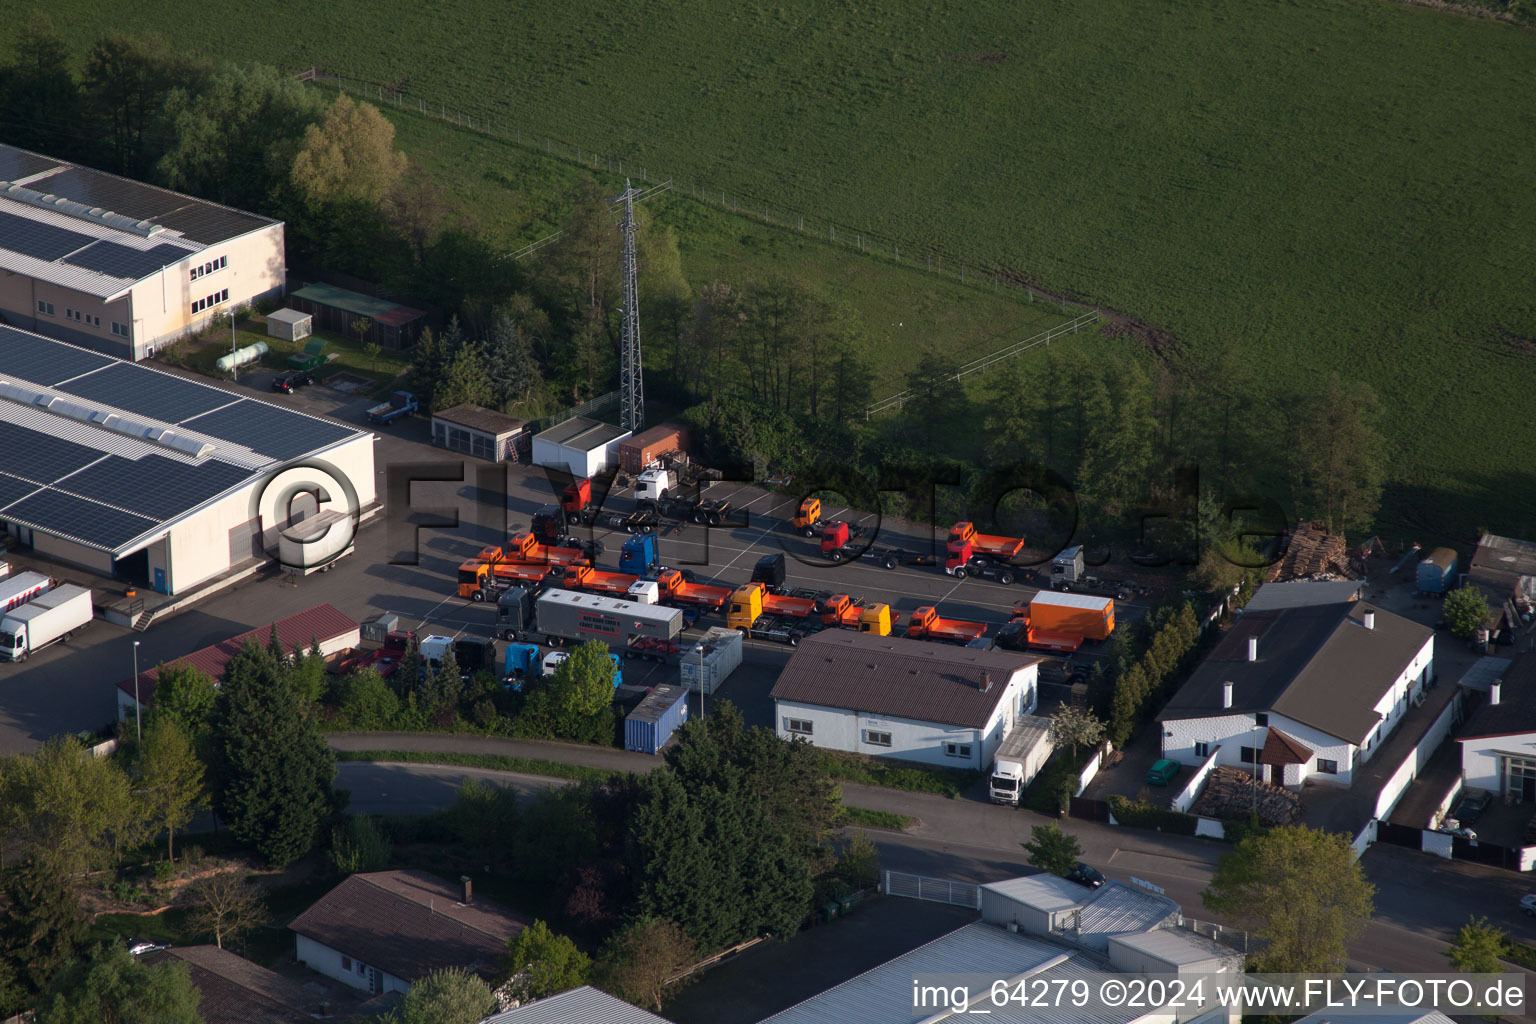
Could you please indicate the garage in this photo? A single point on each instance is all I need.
(481, 432)
(579, 446)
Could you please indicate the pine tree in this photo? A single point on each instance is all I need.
(274, 768)
(514, 376)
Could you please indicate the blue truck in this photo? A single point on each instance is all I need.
(523, 662)
(640, 555)
(401, 403)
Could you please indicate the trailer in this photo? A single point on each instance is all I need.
(712, 660)
(560, 616)
(21, 588)
(965, 543)
(679, 589)
(52, 617)
(482, 580)
(751, 601)
(596, 581)
(1436, 572)
(782, 629)
(926, 624)
(1020, 757)
(1091, 618)
(646, 448)
(525, 548)
(314, 544)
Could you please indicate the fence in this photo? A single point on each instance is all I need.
(935, 890)
(966, 269)
(1234, 938)
(602, 403)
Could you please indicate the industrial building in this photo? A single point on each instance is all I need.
(119, 266)
(481, 432)
(579, 446)
(157, 479)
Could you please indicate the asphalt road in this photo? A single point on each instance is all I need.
(71, 688)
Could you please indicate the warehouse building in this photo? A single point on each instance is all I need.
(579, 446)
(481, 432)
(389, 325)
(157, 479)
(119, 266)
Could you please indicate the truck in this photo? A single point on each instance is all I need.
(846, 612)
(807, 516)
(576, 500)
(640, 555)
(400, 404)
(1020, 757)
(677, 588)
(528, 662)
(48, 618)
(470, 653)
(770, 571)
(596, 581)
(560, 616)
(654, 485)
(1069, 573)
(983, 567)
(526, 549)
(1080, 615)
(751, 601)
(480, 580)
(965, 543)
(19, 589)
(841, 541)
(926, 624)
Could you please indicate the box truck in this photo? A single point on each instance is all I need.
(1092, 618)
(21, 588)
(47, 618)
(1020, 757)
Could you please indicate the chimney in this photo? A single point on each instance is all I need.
(1253, 648)
(469, 889)
(986, 682)
(1226, 695)
(1494, 691)
(1368, 619)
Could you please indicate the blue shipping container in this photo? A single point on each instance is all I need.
(655, 719)
(1436, 571)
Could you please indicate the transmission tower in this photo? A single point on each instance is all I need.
(631, 375)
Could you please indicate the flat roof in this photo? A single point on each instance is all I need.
(1042, 892)
(580, 432)
(1299, 593)
(1085, 601)
(584, 1005)
(289, 316)
(357, 303)
(1176, 947)
(107, 453)
(1515, 713)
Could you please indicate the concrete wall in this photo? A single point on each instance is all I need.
(69, 551)
(1191, 792)
(1440, 844)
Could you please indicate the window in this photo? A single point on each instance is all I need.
(210, 301)
(210, 267)
(1202, 750)
(1327, 767)
(1248, 755)
(121, 330)
(346, 963)
(72, 314)
(957, 750)
(95, 321)
(799, 725)
(1262, 718)
(45, 307)
(877, 739)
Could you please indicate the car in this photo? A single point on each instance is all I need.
(290, 382)
(1163, 771)
(1470, 806)
(138, 947)
(1086, 876)
(1528, 904)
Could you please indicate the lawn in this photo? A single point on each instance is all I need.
(344, 355)
(1318, 184)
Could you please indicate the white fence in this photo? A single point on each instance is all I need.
(1191, 792)
(935, 890)
(1092, 767)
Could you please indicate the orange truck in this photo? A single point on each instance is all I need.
(526, 549)
(925, 624)
(596, 581)
(476, 576)
(678, 589)
(965, 543)
(1080, 615)
(807, 516)
(845, 612)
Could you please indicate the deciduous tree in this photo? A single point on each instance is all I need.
(1052, 849)
(127, 80)
(72, 811)
(359, 845)
(449, 996)
(185, 693)
(1466, 609)
(114, 986)
(1338, 460)
(1300, 890)
(540, 963)
(40, 101)
(227, 904)
(637, 962)
(349, 156)
(170, 779)
(1075, 727)
(1479, 948)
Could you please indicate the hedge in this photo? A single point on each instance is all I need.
(1137, 814)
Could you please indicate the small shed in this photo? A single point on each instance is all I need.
(290, 325)
(478, 431)
(648, 446)
(390, 325)
(655, 719)
(1436, 571)
(579, 446)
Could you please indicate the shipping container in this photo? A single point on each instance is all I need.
(1072, 614)
(638, 452)
(1436, 571)
(721, 656)
(655, 719)
(377, 629)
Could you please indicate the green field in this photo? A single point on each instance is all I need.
(1318, 184)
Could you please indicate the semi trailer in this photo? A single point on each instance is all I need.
(48, 618)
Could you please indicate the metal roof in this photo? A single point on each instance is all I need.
(1041, 892)
(1172, 946)
(899, 678)
(357, 303)
(580, 432)
(289, 316)
(1071, 600)
(658, 702)
(967, 955)
(1028, 733)
(478, 417)
(1299, 593)
(1377, 1015)
(1116, 908)
(585, 1005)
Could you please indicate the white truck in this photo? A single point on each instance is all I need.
(653, 485)
(1020, 757)
(47, 618)
(19, 589)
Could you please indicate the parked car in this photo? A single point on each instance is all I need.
(1471, 805)
(290, 382)
(1163, 771)
(1528, 904)
(1085, 875)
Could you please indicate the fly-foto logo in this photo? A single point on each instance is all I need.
(306, 515)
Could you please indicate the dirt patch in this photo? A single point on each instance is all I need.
(348, 383)
(1116, 325)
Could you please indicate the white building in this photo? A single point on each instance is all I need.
(119, 266)
(1310, 692)
(584, 1005)
(158, 479)
(579, 446)
(1498, 743)
(911, 699)
(380, 931)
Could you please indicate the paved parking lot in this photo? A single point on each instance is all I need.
(72, 688)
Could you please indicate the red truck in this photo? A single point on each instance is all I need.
(926, 624)
(965, 543)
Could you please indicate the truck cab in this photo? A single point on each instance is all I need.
(1067, 568)
(654, 485)
(1006, 783)
(807, 516)
(515, 613)
(746, 606)
(770, 571)
(640, 555)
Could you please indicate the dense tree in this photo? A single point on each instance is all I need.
(185, 693)
(227, 904)
(858, 862)
(465, 379)
(1300, 890)
(366, 701)
(309, 671)
(274, 769)
(69, 810)
(40, 101)
(170, 779)
(117, 988)
(1465, 610)
(127, 81)
(483, 818)
(359, 845)
(581, 269)
(937, 404)
(540, 963)
(1479, 948)
(576, 702)
(1115, 466)
(450, 996)
(1075, 727)
(1052, 849)
(41, 926)
(637, 962)
(1130, 692)
(512, 373)
(417, 209)
(1012, 415)
(1339, 458)
(349, 156)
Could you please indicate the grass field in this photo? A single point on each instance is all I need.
(1319, 184)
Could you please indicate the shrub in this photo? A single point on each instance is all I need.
(1137, 814)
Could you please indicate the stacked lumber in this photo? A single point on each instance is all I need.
(1313, 553)
(1229, 794)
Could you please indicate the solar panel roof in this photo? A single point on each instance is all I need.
(156, 486)
(199, 220)
(16, 164)
(125, 261)
(268, 429)
(40, 456)
(13, 489)
(80, 519)
(40, 241)
(157, 395)
(42, 360)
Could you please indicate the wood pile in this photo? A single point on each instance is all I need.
(1313, 553)
(1229, 794)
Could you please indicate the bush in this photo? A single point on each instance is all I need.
(1137, 814)
(1058, 777)
(872, 771)
(267, 305)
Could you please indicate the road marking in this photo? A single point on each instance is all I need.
(434, 608)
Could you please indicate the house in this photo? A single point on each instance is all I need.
(122, 267)
(1504, 569)
(1498, 743)
(910, 699)
(478, 431)
(381, 931)
(584, 1005)
(235, 991)
(579, 446)
(1309, 692)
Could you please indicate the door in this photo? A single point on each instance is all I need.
(160, 581)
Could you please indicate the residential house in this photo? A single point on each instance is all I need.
(1498, 743)
(584, 1005)
(235, 991)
